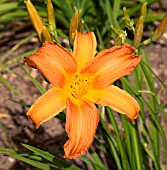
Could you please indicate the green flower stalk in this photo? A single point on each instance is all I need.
(115, 30)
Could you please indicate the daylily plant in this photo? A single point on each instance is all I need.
(80, 80)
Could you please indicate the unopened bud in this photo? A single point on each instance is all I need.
(160, 29)
(46, 34)
(128, 22)
(138, 32)
(75, 25)
(125, 12)
(120, 39)
(143, 10)
(51, 17)
(34, 17)
(121, 35)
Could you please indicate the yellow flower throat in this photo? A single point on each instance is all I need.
(79, 86)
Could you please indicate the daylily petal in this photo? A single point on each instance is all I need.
(48, 106)
(110, 65)
(54, 62)
(84, 48)
(81, 125)
(119, 100)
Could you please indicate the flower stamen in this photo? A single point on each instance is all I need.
(79, 86)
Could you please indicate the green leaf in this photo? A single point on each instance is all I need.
(56, 161)
(98, 160)
(111, 141)
(36, 83)
(121, 147)
(8, 6)
(6, 150)
(116, 9)
(10, 87)
(20, 103)
(36, 164)
(91, 163)
(109, 11)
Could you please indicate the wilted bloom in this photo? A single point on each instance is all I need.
(79, 80)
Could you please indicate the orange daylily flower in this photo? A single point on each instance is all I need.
(79, 81)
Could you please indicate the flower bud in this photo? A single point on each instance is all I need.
(121, 35)
(128, 22)
(120, 39)
(34, 17)
(125, 12)
(138, 32)
(143, 10)
(75, 25)
(160, 29)
(51, 17)
(46, 35)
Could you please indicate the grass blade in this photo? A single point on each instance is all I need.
(36, 164)
(36, 83)
(56, 161)
(10, 87)
(123, 156)
(116, 9)
(20, 103)
(91, 163)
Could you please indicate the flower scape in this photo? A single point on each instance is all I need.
(80, 80)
